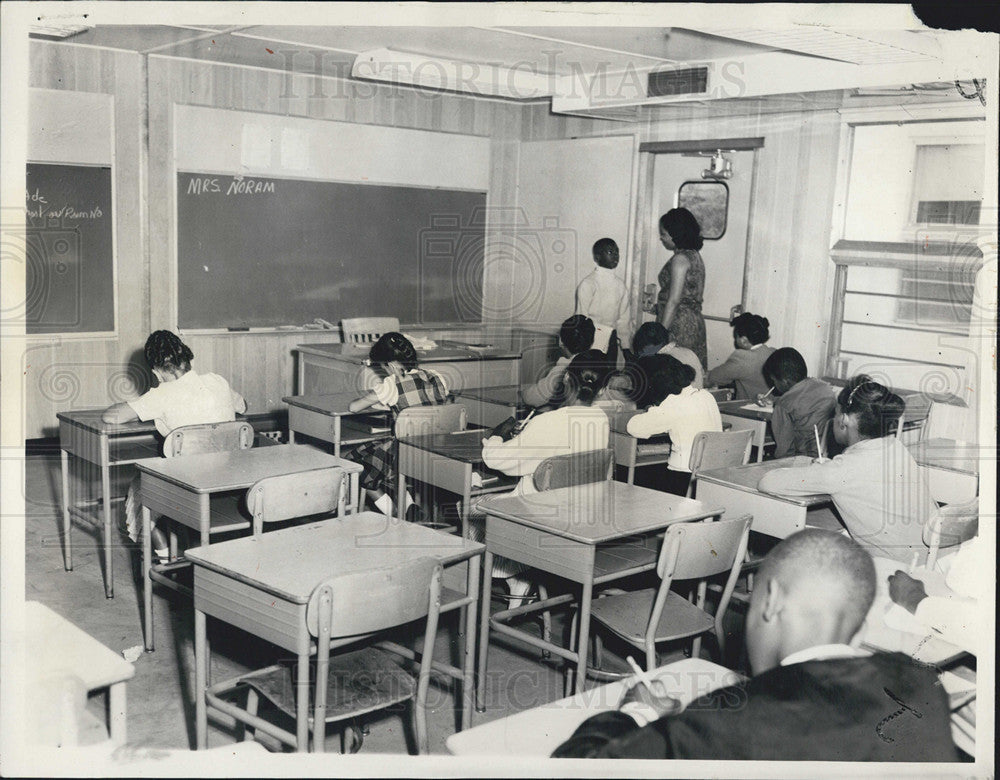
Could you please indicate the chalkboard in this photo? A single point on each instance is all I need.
(255, 252)
(69, 273)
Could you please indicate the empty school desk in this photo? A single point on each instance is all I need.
(182, 488)
(332, 368)
(327, 417)
(490, 406)
(84, 437)
(577, 533)
(58, 648)
(447, 461)
(952, 467)
(540, 730)
(263, 586)
(735, 488)
(742, 417)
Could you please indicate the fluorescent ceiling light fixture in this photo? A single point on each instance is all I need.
(478, 78)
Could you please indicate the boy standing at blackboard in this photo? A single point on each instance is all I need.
(603, 297)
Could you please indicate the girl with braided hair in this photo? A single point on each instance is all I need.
(878, 489)
(182, 397)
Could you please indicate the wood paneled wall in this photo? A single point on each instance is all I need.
(789, 270)
(80, 372)
(77, 373)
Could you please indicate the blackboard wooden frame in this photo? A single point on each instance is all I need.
(220, 216)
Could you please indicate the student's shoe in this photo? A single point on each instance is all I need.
(519, 589)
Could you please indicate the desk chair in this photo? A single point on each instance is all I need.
(629, 452)
(948, 421)
(580, 468)
(949, 526)
(716, 450)
(349, 610)
(317, 494)
(690, 551)
(363, 331)
(226, 511)
(425, 420)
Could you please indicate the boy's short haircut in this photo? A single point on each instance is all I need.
(577, 333)
(785, 363)
(650, 334)
(606, 253)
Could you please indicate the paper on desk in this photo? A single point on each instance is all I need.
(421, 343)
(758, 408)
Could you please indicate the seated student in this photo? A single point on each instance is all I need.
(679, 410)
(802, 405)
(881, 493)
(653, 339)
(603, 297)
(742, 368)
(812, 696)
(957, 616)
(403, 384)
(576, 426)
(182, 397)
(576, 335)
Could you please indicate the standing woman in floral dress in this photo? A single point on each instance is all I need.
(682, 282)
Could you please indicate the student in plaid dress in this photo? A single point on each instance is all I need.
(402, 384)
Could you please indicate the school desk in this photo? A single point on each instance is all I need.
(952, 468)
(331, 368)
(576, 533)
(84, 437)
(540, 730)
(742, 418)
(489, 406)
(56, 647)
(735, 488)
(447, 461)
(249, 583)
(328, 418)
(631, 452)
(182, 488)
(891, 629)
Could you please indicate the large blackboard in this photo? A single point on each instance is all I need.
(69, 252)
(255, 252)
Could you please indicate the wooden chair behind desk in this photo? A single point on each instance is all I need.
(424, 420)
(716, 450)
(317, 494)
(949, 526)
(226, 511)
(362, 331)
(342, 611)
(690, 551)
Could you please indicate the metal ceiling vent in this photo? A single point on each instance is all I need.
(678, 81)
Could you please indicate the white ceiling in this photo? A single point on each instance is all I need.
(775, 58)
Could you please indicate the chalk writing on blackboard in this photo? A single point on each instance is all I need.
(237, 186)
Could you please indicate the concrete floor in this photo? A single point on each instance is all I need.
(160, 696)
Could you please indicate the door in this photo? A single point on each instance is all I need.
(725, 216)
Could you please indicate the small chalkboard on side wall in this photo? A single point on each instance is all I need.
(68, 250)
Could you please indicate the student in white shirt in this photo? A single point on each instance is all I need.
(680, 411)
(603, 297)
(183, 397)
(517, 450)
(880, 492)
